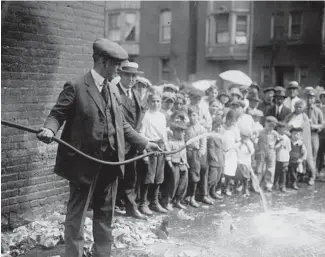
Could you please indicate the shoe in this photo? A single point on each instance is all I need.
(311, 182)
(144, 209)
(268, 189)
(295, 187)
(136, 214)
(246, 193)
(168, 207)
(179, 205)
(283, 190)
(207, 200)
(216, 196)
(228, 193)
(158, 208)
(193, 203)
(239, 188)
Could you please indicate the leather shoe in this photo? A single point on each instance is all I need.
(295, 187)
(168, 207)
(179, 205)
(136, 214)
(158, 208)
(207, 200)
(194, 203)
(216, 196)
(144, 209)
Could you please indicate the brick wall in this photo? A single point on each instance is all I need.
(43, 45)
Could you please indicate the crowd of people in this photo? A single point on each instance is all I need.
(280, 139)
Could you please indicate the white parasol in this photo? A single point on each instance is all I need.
(236, 77)
(203, 85)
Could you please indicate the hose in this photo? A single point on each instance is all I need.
(60, 141)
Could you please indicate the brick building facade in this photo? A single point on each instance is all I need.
(43, 45)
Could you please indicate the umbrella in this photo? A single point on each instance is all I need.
(203, 85)
(236, 77)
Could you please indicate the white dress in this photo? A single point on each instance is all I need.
(231, 138)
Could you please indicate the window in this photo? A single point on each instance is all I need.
(295, 24)
(114, 28)
(241, 35)
(123, 26)
(165, 26)
(165, 69)
(222, 28)
(303, 75)
(266, 77)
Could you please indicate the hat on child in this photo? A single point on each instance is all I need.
(168, 96)
(236, 91)
(171, 86)
(223, 93)
(280, 92)
(179, 125)
(256, 112)
(268, 89)
(254, 85)
(271, 119)
(296, 129)
(293, 85)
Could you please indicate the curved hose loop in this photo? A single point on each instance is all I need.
(59, 141)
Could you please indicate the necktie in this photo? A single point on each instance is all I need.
(277, 112)
(129, 93)
(104, 92)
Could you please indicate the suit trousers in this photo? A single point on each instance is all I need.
(204, 172)
(175, 183)
(127, 184)
(281, 169)
(265, 168)
(103, 204)
(314, 144)
(214, 177)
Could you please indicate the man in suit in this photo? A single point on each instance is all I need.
(267, 102)
(95, 124)
(293, 92)
(279, 111)
(133, 113)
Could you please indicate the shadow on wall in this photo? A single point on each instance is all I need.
(29, 60)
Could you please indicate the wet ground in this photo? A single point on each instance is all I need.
(294, 225)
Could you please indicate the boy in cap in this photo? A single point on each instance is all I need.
(168, 100)
(154, 128)
(293, 91)
(316, 119)
(298, 154)
(268, 100)
(195, 153)
(321, 150)
(265, 153)
(216, 158)
(176, 179)
(257, 128)
(254, 89)
(279, 110)
(283, 148)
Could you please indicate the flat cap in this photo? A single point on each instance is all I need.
(236, 91)
(296, 129)
(282, 124)
(280, 91)
(105, 47)
(171, 86)
(143, 81)
(238, 103)
(293, 84)
(178, 125)
(168, 96)
(254, 85)
(223, 93)
(310, 91)
(256, 112)
(271, 119)
(321, 94)
(268, 89)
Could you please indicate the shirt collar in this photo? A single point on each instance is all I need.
(125, 90)
(99, 79)
(298, 142)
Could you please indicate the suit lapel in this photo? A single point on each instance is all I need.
(93, 92)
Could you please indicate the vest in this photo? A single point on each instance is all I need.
(131, 113)
(296, 152)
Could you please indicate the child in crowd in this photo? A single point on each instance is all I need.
(265, 153)
(216, 158)
(245, 152)
(179, 102)
(215, 109)
(168, 100)
(283, 149)
(298, 154)
(231, 137)
(176, 178)
(195, 152)
(257, 128)
(154, 128)
(224, 98)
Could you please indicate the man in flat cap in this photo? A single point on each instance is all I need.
(267, 99)
(133, 113)
(94, 124)
(316, 119)
(293, 92)
(279, 111)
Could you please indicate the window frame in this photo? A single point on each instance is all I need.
(163, 69)
(163, 26)
(235, 27)
(301, 24)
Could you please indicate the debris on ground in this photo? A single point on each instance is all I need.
(49, 232)
(184, 216)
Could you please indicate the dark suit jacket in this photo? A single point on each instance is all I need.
(215, 152)
(285, 111)
(81, 106)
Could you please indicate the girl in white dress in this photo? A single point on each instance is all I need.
(231, 139)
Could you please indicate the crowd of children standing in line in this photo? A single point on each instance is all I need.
(280, 139)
